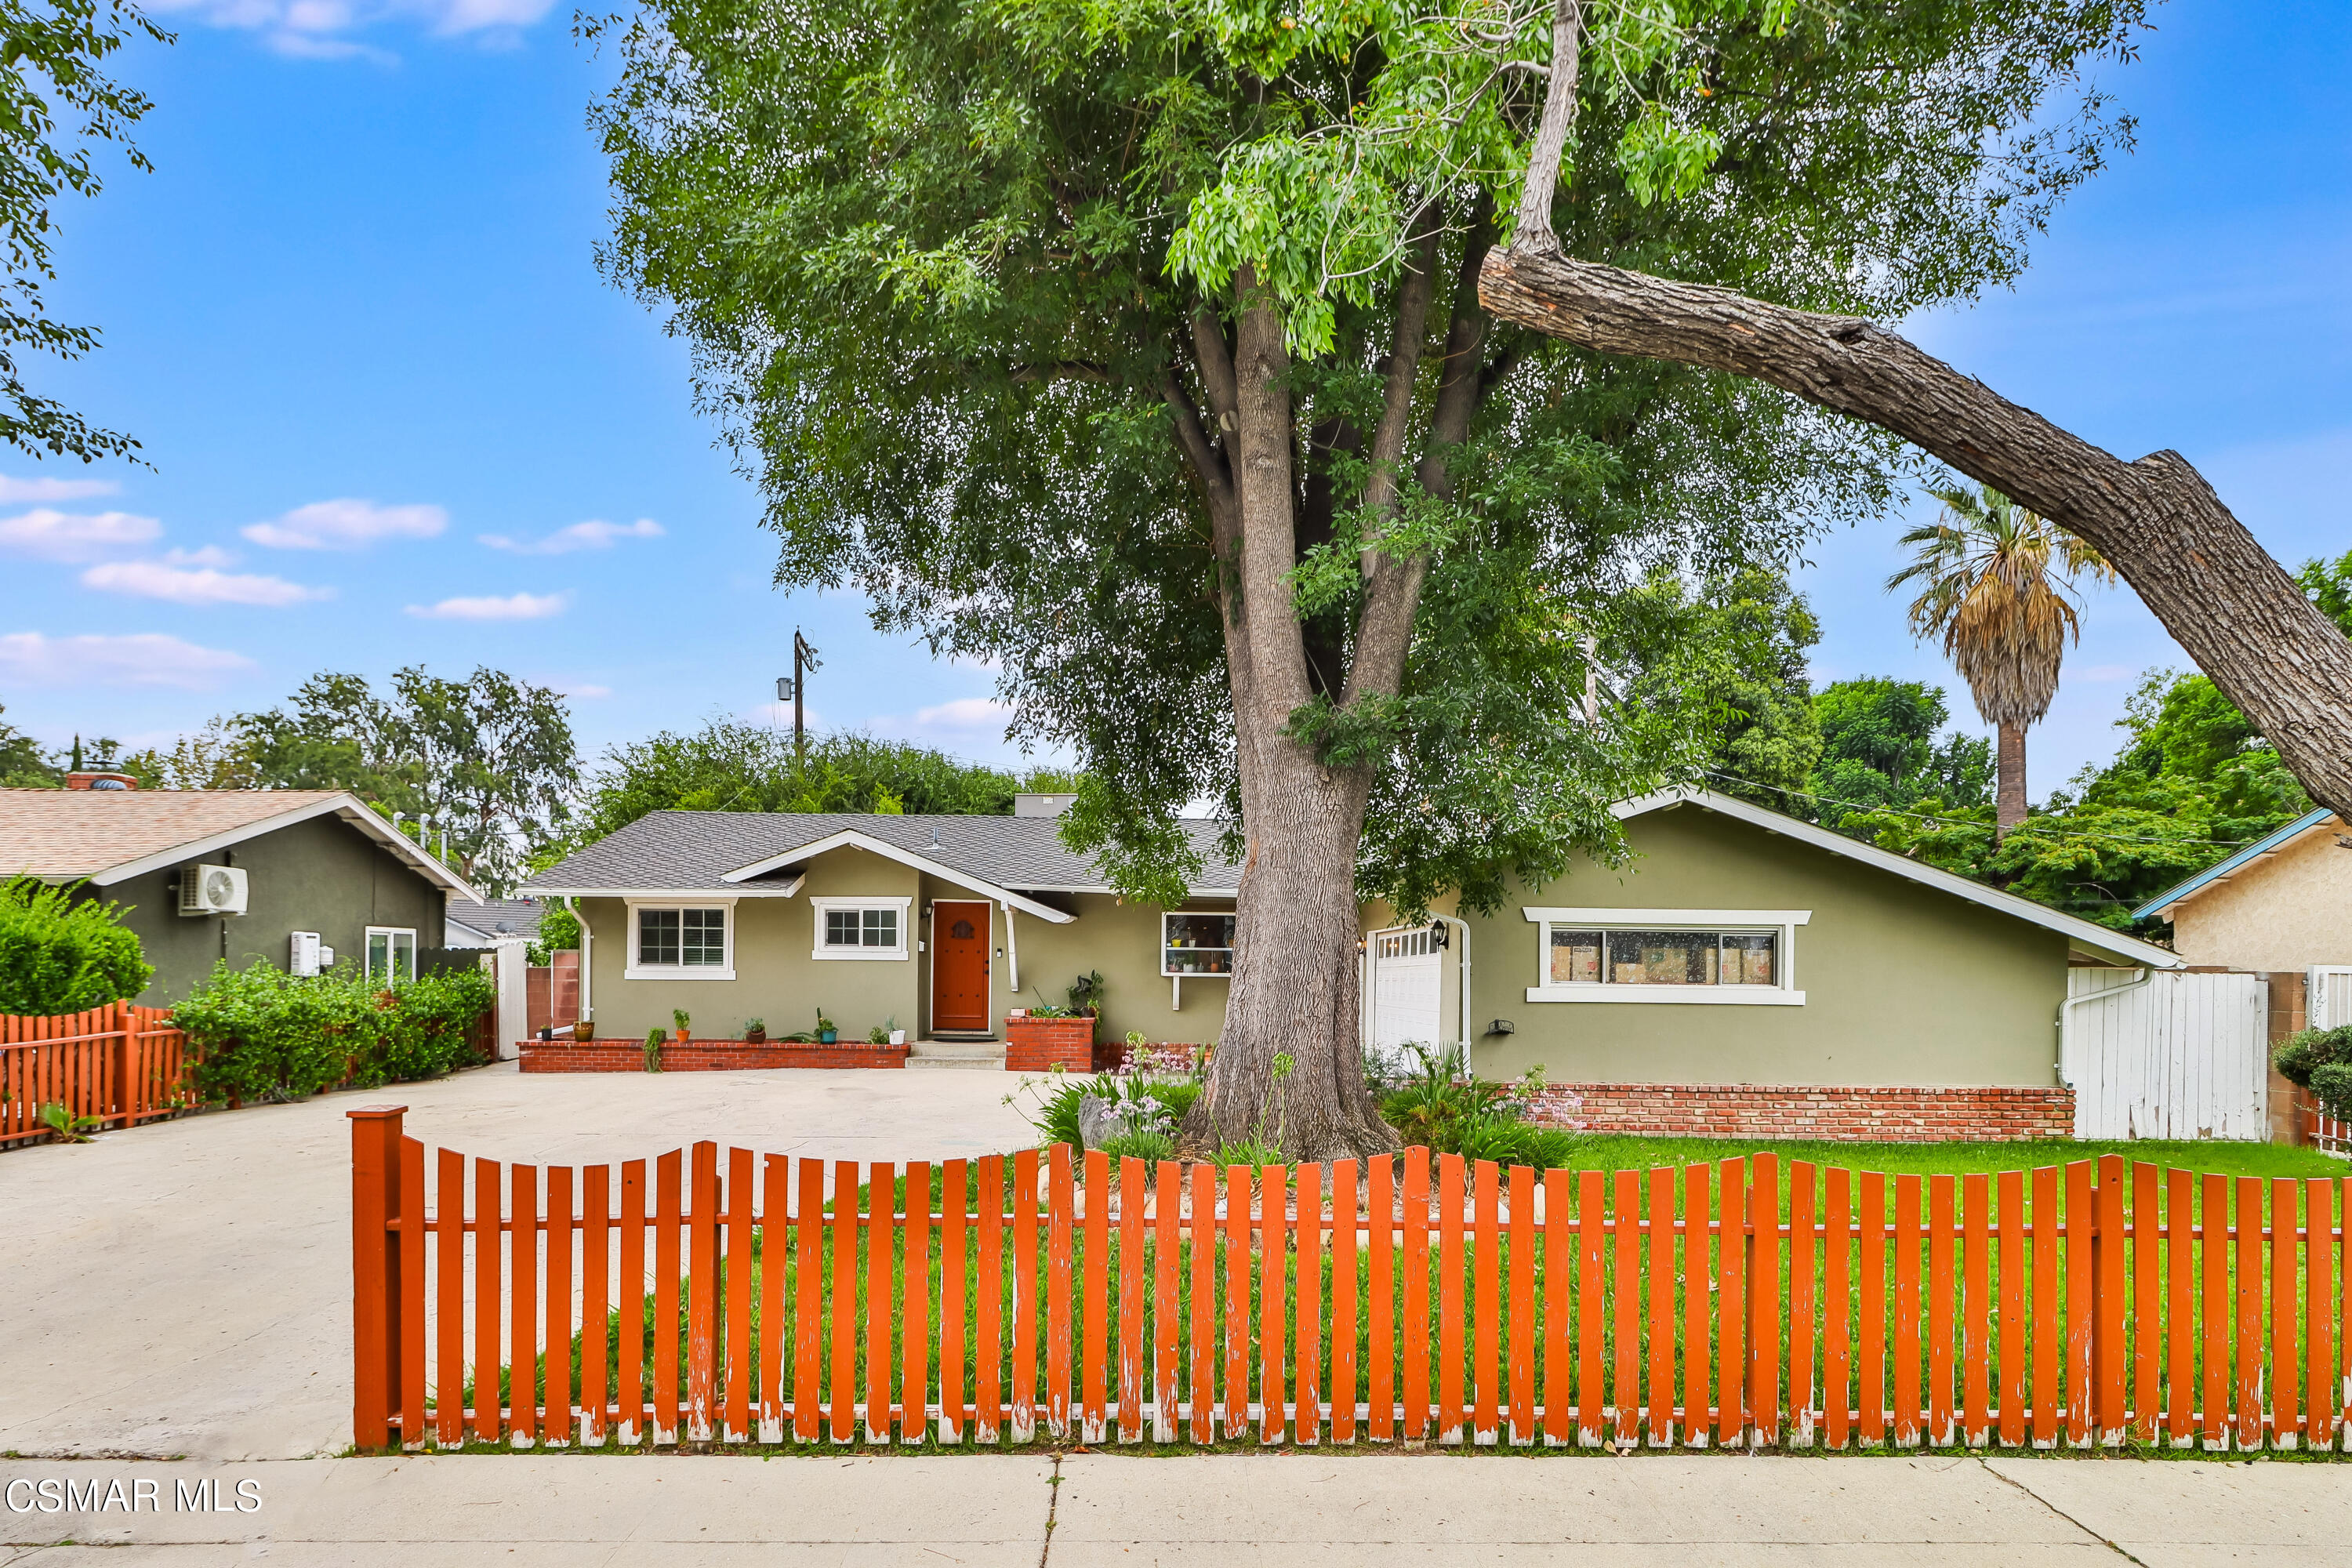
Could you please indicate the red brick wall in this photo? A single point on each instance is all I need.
(1039, 1045)
(1843, 1114)
(703, 1055)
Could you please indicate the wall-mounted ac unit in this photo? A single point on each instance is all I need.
(212, 890)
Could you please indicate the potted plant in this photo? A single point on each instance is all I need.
(653, 1050)
(827, 1034)
(878, 1035)
(677, 1016)
(898, 1037)
(755, 1031)
(584, 1028)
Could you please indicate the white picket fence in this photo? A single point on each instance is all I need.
(2329, 1003)
(2172, 1056)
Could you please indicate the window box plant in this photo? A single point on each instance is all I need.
(755, 1031)
(826, 1032)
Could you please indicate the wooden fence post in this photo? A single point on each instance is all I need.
(2110, 1293)
(377, 1203)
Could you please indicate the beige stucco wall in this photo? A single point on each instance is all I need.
(1904, 984)
(2287, 910)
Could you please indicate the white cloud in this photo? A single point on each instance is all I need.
(53, 535)
(12, 490)
(316, 29)
(965, 713)
(490, 608)
(346, 524)
(201, 586)
(593, 534)
(139, 658)
(205, 555)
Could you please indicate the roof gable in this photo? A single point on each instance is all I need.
(105, 836)
(2077, 931)
(2222, 871)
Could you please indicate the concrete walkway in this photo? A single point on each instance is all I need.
(1086, 1510)
(185, 1288)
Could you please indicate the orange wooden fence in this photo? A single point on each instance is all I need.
(712, 1295)
(119, 1063)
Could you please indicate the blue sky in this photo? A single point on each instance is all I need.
(353, 318)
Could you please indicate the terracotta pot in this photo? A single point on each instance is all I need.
(755, 1037)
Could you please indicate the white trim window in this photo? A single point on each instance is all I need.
(1737, 957)
(860, 927)
(680, 940)
(1197, 942)
(391, 953)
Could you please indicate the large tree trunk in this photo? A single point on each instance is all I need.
(1294, 992)
(2214, 588)
(2009, 800)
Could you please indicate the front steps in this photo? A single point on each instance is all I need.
(964, 1056)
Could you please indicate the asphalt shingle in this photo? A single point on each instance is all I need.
(668, 850)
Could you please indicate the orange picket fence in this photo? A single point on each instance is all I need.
(723, 1296)
(120, 1064)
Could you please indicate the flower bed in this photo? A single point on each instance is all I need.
(700, 1054)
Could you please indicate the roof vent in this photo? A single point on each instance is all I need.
(1041, 804)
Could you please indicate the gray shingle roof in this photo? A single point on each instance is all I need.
(695, 850)
(498, 918)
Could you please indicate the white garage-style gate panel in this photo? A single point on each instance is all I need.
(2328, 999)
(2172, 1056)
(1408, 988)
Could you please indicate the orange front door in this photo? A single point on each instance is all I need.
(959, 965)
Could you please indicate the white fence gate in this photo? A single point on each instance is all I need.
(2328, 1003)
(2173, 1056)
(1408, 989)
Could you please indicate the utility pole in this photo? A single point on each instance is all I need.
(795, 686)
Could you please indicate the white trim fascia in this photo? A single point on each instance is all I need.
(1644, 918)
(1704, 995)
(850, 838)
(654, 895)
(819, 908)
(632, 970)
(2097, 938)
(350, 806)
(1110, 891)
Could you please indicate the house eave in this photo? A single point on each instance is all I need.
(850, 838)
(349, 808)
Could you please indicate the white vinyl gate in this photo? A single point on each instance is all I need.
(1407, 988)
(2174, 1055)
(2329, 1000)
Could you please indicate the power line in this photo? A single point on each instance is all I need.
(1949, 822)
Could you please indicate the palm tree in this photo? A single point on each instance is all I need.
(1997, 584)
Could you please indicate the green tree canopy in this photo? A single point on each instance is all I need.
(728, 765)
(57, 104)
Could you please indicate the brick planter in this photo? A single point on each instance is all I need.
(1905, 1115)
(703, 1055)
(1041, 1045)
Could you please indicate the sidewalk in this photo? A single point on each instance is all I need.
(1208, 1512)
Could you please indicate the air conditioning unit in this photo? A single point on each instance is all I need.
(212, 890)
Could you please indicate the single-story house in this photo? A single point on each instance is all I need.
(1747, 972)
(303, 879)
(2283, 902)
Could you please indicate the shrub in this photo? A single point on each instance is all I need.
(1437, 1104)
(262, 1034)
(2321, 1061)
(57, 956)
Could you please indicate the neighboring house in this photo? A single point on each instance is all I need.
(308, 871)
(1746, 970)
(2281, 903)
(494, 921)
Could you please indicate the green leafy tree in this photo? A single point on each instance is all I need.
(1137, 351)
(22, 767)
(727, 766)
(1880, 746)
(57, 104)
(1767, 737)
(61, 953)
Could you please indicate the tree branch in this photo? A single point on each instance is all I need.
(1214, 360)
(2212, 585)
(1534, 229)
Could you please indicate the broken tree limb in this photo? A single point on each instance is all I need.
(2212, 585)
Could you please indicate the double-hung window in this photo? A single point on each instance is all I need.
(391, 953)
(680, 942)
(1667, 955)
(874, 928)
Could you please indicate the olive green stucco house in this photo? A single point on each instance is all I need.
(291, 876)
(1745, 973)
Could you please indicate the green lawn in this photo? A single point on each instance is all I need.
(1604, 1152)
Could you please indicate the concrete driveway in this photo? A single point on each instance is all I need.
(184, 1289)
